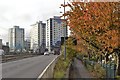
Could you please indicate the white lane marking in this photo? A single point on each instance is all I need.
(40, 76)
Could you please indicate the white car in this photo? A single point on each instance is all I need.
(46, 53)
(1, 52)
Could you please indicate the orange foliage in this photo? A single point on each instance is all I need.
(96, 22)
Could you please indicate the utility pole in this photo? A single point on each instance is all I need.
(64, 33)
(64, 28)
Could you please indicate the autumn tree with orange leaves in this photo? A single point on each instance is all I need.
(98, 24)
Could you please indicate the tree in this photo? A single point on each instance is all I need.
(96, 23)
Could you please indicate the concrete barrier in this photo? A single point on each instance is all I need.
(48, 71)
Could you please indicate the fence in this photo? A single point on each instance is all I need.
(110, 68)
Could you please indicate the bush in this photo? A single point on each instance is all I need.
(95, 69)
(93, 59)
(118, 77)
(100, 72)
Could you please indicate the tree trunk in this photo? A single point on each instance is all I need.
(107, 59)
(118, 65)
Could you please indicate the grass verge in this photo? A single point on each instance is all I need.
(62, 64)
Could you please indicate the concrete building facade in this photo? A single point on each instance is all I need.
(16, 39)
(56, 28)
(38, 36)
(27, 45)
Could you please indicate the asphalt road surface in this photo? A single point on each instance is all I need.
(26, 68)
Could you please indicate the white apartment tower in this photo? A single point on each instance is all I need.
(16, 39)
(38, 36)
(55, 30)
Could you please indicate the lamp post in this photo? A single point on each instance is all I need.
(64, 27)
(64, 34)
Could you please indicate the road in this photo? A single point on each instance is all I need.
(26, 68)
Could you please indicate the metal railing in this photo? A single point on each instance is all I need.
(110, 68)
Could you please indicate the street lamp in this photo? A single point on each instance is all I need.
(64, 26)
(64, 34)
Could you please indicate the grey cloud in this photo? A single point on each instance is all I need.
(23, 18)
(26, 12)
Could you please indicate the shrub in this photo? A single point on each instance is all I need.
(100, 72)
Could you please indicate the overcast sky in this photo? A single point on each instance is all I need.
(23, 13)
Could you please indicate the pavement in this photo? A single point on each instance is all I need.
(26, 68)
(78, 70)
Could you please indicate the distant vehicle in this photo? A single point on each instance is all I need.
(56, 50)
(1, 52)
(56, 53)
(46, 53)
(46, 49)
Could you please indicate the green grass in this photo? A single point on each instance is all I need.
(117, 77)
(62, 65)
(96, 71)
(59, 74)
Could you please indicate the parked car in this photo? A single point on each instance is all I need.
(1, 52)
(46, 53)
